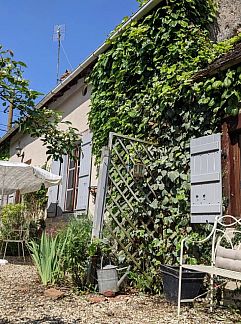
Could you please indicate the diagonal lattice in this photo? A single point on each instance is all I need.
(129, 219)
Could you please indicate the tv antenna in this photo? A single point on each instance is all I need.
(59, 33)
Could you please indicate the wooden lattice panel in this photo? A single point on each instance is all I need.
(128, 217)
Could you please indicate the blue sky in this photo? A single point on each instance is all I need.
(27, 28)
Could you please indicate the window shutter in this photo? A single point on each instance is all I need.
(53, 191)
(62, 186)
(206, 178)
(84, 174)
(11, 198)
(5, 200)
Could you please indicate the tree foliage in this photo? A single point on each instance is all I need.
(44, 123)
(142, 86)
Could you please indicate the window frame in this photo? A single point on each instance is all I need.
(74, 188)
(231, 165)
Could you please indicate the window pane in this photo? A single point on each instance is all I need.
(76, 197)
(69, 200)
(71, 164)
(71, 179)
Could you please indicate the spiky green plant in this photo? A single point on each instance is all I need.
(47, 255)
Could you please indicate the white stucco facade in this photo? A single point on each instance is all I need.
(74, 105)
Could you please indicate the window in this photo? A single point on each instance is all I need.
(73, 192)
(72, 182)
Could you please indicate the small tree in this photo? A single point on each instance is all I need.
(43, 123)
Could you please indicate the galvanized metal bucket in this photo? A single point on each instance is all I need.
(108, 279)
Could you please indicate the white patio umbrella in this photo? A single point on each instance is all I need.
(25, 178)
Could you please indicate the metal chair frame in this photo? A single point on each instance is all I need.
(18, 236)
(227, 232)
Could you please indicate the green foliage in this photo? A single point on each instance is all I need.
(42, 123)
(12, 215)
(142, 2)
(48, 255)
(4, 151)
(13, 224)
(142, 86)
(80, 251)
(36, 202)
(76, 256)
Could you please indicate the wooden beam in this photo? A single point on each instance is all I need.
(222, 63)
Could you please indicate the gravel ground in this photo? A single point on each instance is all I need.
(22, 300)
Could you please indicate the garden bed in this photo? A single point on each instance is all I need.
(23, 300)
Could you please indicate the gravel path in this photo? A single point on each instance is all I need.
(22, 300)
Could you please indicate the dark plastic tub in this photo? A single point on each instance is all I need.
(192, 282)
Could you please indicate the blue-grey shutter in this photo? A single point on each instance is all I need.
(84, 174)
(206, 178)
(53, 191)
(62, 186)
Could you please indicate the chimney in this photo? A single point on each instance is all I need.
(65, 75)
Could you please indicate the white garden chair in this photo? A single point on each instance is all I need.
(225, 260)
(16, 236)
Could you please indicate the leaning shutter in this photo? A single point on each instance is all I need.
(53, 191)
(206, 179)
(84, 174)
(62, 186)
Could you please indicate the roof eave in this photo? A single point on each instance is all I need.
(93, 57)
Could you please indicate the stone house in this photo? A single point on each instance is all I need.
(72, 97)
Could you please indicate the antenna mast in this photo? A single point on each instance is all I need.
(59, 32)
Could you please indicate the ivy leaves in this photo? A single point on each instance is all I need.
(142, 86)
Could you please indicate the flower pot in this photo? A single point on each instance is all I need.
(192, 282)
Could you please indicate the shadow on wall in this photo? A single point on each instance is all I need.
(54, 210)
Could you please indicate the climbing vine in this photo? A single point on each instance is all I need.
(143, 86)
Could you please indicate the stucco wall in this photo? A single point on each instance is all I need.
(32, 148)
(229, 19)
(74, 106)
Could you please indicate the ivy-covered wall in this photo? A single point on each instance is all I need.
(142, 86)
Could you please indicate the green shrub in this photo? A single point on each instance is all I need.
(48, 256)
(70, 254)
(12, 220)
(76, 252)
(12, 215)
(82, 255)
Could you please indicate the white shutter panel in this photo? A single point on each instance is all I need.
(206, 178)
(11, 198)
(5, 200)
(62, 186)
(53, 191)
(84, 174)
